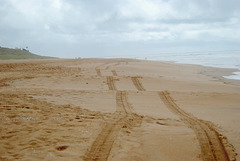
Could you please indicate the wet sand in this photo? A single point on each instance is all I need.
(117, 109)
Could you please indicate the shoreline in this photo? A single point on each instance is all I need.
(213, 72)
(220, 73)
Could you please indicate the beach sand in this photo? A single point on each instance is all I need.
(117, 109)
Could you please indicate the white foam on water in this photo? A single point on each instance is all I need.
(236, 76)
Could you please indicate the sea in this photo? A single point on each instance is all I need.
(219, 59)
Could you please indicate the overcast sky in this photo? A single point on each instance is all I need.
(100, 28)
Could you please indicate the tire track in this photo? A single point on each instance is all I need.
(210, 140)
(114, 72)
(113, 64)
(122, 118)
(110, 83)
(98, 72)
(137, 84)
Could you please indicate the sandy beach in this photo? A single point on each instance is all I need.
(117, 109)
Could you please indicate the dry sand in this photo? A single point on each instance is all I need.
(117, 109)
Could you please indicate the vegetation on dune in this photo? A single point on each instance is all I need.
(7, 53)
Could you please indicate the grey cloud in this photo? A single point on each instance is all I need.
(72, 27)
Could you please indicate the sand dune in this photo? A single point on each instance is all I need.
(117, 109)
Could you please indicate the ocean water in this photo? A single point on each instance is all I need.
(220, 59)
